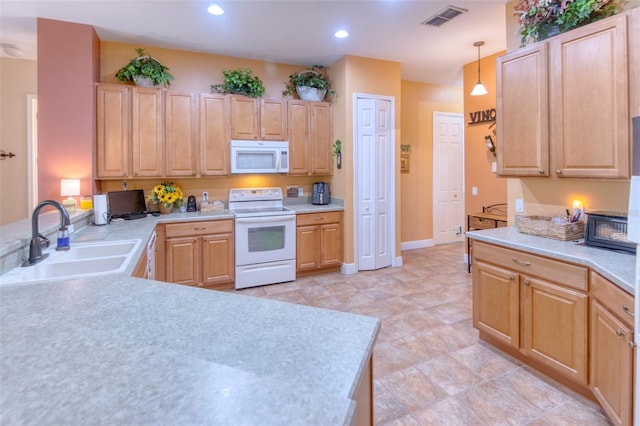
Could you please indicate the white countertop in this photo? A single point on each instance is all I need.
(618, 267)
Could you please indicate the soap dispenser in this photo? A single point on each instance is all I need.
(63, 239)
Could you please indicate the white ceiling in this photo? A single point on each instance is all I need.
(298, 32)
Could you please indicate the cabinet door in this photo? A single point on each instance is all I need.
(273, 119)
(147, 133)
(496, 302)
(182, 260)
(555, 327)
(217, 259)
(611, 364)
(181, 133)
(112, 131)
(330, 244)
(307, 247)
(214, 135)
(244, 117)
(298, 137)
(522, 113)
(589, 101)
(320, 138)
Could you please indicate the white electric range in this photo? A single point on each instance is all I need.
(265, 237)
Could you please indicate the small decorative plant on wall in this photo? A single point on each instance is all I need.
(239, 82)
(540, 19)
(145, 70)
(310, 85)
(337, 151)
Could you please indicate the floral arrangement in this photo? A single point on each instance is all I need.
(167, 193)
(540, 19)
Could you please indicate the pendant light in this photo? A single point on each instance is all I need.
(479, 88)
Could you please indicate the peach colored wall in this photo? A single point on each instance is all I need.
(195, 71)
(478, 159)
(18, 78)
(68, 67)
(375, 77)
(419, 102)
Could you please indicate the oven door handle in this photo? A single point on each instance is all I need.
(267, 219)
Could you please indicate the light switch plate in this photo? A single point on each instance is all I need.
(519, 205)
(474, 190)
(494, 167)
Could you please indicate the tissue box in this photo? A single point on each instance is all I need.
(542, 226)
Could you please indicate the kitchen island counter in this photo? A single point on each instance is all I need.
(617, 267)
(115, 349)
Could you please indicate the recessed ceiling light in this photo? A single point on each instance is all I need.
(341, 34)
(12, 50)
(215, 9)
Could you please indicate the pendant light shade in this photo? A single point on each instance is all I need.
(479, 88)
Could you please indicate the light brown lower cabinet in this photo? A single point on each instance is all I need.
(563, 319)
(534, 306)
(198, 253)
(612, 349)
(318, 242)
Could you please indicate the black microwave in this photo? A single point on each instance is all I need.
(608, 230)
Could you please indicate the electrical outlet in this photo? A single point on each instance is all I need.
(205, 195)
(519, 205)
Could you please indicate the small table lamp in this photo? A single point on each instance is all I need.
(71, 188)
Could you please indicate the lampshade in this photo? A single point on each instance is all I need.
(479, 88)
(70, 187)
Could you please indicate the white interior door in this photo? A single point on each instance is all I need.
(374, 182)
(448, 178)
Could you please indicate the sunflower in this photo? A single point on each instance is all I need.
(167, 193)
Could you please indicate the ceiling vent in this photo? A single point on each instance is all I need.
(444, 16)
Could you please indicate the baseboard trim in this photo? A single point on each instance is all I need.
(349, 268)
(397, 262)
(418, 244)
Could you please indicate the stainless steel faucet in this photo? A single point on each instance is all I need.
(39, 241)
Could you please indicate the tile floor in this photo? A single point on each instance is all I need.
(429, 366)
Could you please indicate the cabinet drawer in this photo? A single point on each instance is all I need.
(184, 229)
(617, 301)
(481, 223)
(562, 273)
(318, 218)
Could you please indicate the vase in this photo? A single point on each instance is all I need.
(164, 209)
(548, 30)
(311, 93)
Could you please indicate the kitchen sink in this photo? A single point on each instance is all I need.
(81, 260)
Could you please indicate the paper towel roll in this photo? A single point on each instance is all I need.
(100, 211)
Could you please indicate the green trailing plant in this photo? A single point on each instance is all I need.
(240, 82)
(316, 77)
(145, 66)
(540, 19)
(337, 147)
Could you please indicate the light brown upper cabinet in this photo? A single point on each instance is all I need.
(258, 119)
(576, 85)
(181, 133)
(522, 114)
(214, 135)
(310, 138)
(129, 132)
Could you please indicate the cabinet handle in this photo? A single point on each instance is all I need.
(619, 333)
(511, 277)
(527, 282)
(193, 172)
(200, 228)
(541, 172)
(558, 171)
(632, 344)
(318, 219)
(521, 262)
(626, 309)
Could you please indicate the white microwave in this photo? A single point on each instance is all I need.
(259, 156)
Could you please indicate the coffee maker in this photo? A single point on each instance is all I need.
(320, 193)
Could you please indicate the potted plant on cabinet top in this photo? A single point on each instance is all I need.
(145, 70)
(310, 85)
(239, 82)
(540, 19)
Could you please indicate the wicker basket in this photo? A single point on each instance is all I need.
(543, 227)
